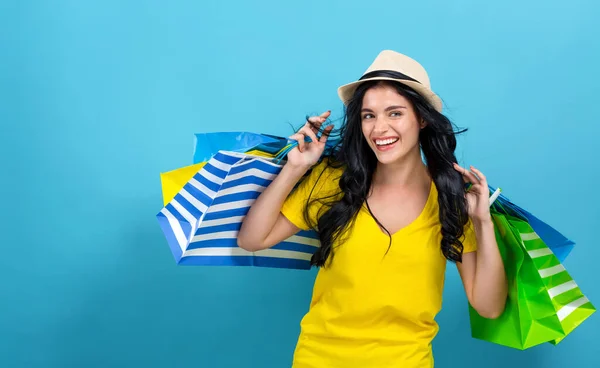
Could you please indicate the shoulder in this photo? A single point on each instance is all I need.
(318, 187)
(322, 178)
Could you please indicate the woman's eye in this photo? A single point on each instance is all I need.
(367, 116)
(396, 113)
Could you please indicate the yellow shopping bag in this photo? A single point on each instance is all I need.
(172, 181)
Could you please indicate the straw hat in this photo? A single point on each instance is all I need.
(393, 66)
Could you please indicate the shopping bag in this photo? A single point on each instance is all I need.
(544, 303)
(172, 181)
(560, 245)
(206, 145)
(201, 222)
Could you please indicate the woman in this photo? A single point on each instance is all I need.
(387, 222)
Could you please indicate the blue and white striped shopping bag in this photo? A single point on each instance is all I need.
(202, 221)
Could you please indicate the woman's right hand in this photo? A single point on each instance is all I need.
(307, 154)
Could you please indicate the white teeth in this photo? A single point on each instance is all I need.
(383, 142)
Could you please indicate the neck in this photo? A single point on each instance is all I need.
(408, 171)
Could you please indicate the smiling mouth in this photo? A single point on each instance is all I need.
(385, 142)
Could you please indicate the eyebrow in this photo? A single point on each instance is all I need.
(394, 107)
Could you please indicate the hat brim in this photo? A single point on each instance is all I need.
(346, 91)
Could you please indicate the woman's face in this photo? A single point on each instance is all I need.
(389, 124)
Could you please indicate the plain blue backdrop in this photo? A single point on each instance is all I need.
(98, 97)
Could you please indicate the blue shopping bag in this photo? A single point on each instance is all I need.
(560, 245)
(206, 145)
(202, 221)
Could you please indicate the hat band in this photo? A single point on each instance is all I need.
(388, 74)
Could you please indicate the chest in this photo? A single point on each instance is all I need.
(394, 209)
(368, 272)
(409, 253)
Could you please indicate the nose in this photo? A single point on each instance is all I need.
(380, 127)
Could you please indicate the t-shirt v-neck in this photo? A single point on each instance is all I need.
(375, 304)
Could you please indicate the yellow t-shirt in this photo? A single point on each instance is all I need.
(370, 309)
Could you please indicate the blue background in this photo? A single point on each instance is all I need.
(98, 97)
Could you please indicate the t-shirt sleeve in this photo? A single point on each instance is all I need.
(470, 240)
(310, 187)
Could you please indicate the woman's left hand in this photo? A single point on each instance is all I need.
(478, 196)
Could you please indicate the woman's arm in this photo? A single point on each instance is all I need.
(264, 226)
(483, 275)
(482, 272)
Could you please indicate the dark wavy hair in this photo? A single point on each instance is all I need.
(353, 154)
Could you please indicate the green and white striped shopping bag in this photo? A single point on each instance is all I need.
(572, 307)
(544, 303)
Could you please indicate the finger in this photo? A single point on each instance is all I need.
(325, 134)
(310, 134)
(301, 143)
(316, 121)
(321, 117)
(461, 171)
(313, 124)
(299, 137)
(472, 178)
(467, 175)
(326, 114)
(479, 174)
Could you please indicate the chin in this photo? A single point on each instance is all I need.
(388, 158)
